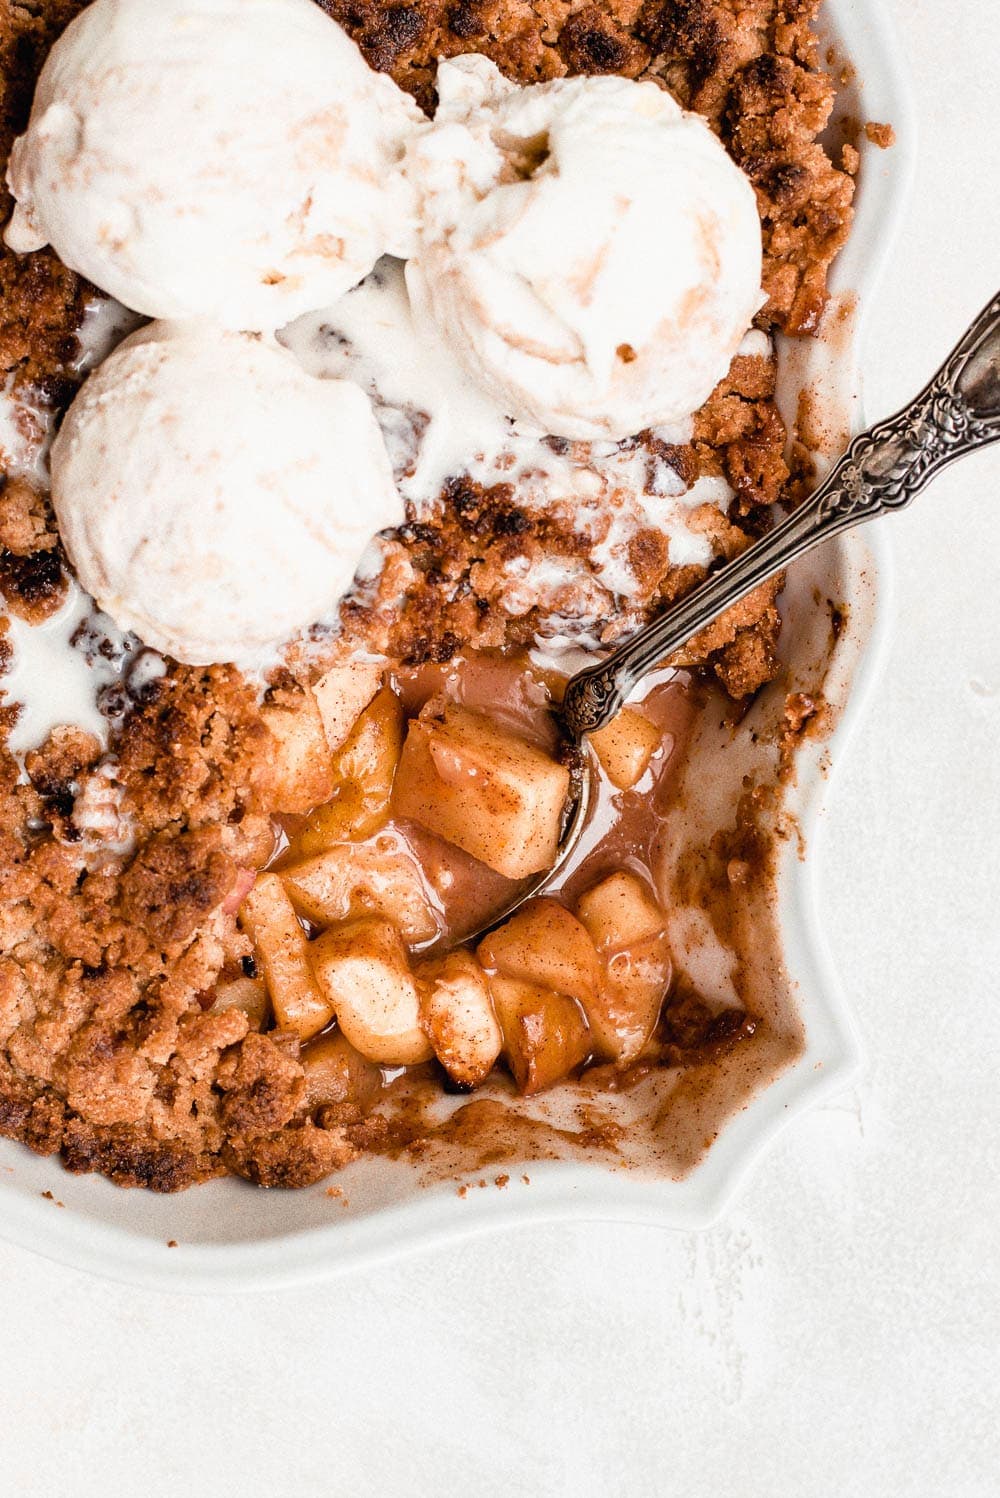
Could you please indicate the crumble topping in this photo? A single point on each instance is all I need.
(42, 300)
(122, 875)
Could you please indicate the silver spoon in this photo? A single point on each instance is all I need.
(883, 469)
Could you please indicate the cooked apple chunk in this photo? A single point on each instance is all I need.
(625, 747)
(343, 694)
(627, 926)
(337, 1073)
(364, 974)
(300, 765)
(247, 994)
(352, 880)
(363, 772)
(545, 944)
(458, 1016)
(625, 1013)
(545, 1034)
(282, 952)
(619, 911)
(482, 788)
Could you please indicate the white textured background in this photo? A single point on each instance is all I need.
(840, 1333)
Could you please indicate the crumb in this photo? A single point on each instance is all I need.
(807, 715)
(800, 709)
(882, 136)
(501, 1182)
(526, 1180)
(172, 1243)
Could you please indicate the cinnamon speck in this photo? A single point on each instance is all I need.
(171, 1242)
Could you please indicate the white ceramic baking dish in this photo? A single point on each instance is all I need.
(227, 1235)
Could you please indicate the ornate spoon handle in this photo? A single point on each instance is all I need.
(883, 469)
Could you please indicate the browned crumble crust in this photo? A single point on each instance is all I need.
(41, 304)
(32, 579)
(41, 299)
(111, 1050)
(454, 570)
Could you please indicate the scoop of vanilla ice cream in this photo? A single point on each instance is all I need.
(229, 159)
(212, 496)
(588, 248)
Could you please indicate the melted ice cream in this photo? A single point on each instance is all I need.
(75, 668)
(438, 425)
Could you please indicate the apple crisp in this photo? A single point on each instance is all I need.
(188, 905)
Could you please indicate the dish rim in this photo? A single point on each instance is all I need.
(562, 1190)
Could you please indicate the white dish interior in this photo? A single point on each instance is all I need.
(229, 1235)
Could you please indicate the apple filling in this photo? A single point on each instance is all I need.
(414, 808)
